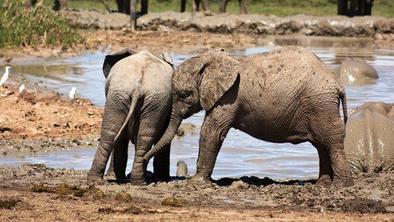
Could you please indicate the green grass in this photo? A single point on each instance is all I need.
(40, 25)
(267, 7)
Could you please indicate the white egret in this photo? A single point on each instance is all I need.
(72, 92)
(22, 88)
(5, 75)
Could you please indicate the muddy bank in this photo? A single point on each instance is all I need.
(25, 190)
(185, 42)
(231, 23)
(39, 119)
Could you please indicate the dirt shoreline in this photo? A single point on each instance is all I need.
(40, 120)
(187, 42)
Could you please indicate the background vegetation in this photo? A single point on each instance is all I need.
(274, 7)
(40, 25)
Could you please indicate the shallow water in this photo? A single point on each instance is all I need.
(241, 154)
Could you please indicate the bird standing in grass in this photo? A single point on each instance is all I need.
(72, 92)
(5, 75)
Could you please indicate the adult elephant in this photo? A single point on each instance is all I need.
(354, 7)
(129, 7)
(286, 95)
(369, 142)
(137, 108)
(356, 72)
(196, 6)
(242, 6)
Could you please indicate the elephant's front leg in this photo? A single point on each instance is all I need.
(214, 129)
(161, 164)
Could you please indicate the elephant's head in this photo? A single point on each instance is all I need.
(197, 84)
(112, 59)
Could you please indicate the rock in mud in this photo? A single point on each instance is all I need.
(172, 202)
(186, 129)
(8, 202)
(123, 197)
(181, 170)
(128, 210)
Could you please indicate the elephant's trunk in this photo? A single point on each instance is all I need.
(168, 135)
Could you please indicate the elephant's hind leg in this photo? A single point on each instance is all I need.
(328, 137)
(325, 170)
(144, 141)
(120, 158)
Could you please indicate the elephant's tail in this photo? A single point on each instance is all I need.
(128, 117)
(342, 97)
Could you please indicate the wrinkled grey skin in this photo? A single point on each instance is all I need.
(369, 142)
(356, 72)
(286, 95)
(181, 170)
(137, 108)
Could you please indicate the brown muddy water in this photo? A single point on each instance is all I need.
(241, 155)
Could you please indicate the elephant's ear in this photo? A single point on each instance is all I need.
(113, 58)
(218, 76)
(167, 58)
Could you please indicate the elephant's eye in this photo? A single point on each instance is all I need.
(184, 94)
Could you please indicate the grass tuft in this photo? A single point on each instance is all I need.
(21, 26)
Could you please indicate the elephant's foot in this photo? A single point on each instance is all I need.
(137, 180)
(94, 180)
(110, 173)
(199, 179)
(324, 181)
(343, 182)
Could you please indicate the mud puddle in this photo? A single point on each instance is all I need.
(241, 155)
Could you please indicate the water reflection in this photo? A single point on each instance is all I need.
(241, 154)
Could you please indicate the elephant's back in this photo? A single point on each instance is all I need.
(287, 71)
(142, 70)
(285, 85)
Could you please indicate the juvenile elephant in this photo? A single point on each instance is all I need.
(137, 108)
(369, 142)
(286, 95)
(356, 72)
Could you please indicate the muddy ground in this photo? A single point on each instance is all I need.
(35, 191)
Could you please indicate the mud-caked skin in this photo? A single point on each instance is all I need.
(137, 108)
(369, 142)
(286, 95)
